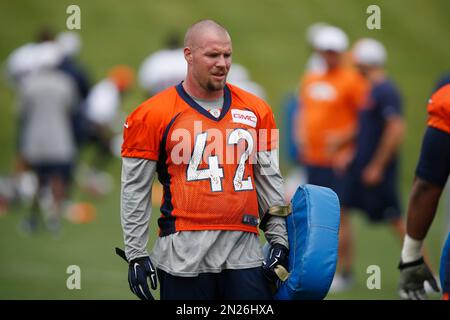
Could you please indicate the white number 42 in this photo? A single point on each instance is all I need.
(214, 173)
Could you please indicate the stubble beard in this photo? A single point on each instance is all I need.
(215, 85)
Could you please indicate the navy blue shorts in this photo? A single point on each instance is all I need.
(325, 177)
(380, 203)
(242, 284)
(45, 171)
(434, 161)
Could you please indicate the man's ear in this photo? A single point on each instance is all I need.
(188, 55)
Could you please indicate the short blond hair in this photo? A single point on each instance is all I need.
(200, 27)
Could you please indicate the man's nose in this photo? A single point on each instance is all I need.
(221, 61)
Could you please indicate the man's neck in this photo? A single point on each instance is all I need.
(377, 76)
(198, 92)
(334, 68)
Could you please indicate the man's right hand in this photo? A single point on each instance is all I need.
(412, 277)
(138, 271)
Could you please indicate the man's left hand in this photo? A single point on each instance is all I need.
(372, 175)
(276, 266)
(412, 278)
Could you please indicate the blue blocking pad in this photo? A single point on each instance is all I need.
(313, 228)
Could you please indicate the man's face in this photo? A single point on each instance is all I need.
(363, 69)
(332, 58)
(210, 61)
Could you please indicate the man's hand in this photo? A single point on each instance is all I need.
(341, 161)
(138, 271)
(372, 175)
(412, 277)
(276, 266)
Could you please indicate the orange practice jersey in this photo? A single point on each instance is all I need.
(329, 110)
(439, 109)
(205, 164)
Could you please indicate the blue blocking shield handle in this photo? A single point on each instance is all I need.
(313, 229)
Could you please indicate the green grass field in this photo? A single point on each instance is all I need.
(268, 38)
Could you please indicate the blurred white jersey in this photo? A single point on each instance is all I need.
(162, 69)
(103, 103)
(240, 77)
(20, 62)
(252, 87)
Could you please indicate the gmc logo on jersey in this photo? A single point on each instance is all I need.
(244, 117)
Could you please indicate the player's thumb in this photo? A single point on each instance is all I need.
(433, 283)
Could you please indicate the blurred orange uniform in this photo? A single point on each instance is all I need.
(329, 111)
(204, 163)
(439, 109)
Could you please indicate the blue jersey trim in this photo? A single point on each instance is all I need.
(191, 102)
(167, 222)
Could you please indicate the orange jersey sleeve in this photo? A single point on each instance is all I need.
(144, 127)
(439, 109)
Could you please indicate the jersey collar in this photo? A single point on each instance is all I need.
(187, 98)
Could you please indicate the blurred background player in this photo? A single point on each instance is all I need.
(163, 68)
(239, 76)
(48, 96)
(315, 62)
(371, 178)
(291, 106)
(432, 172)
(23, 62)
(330, 101)
(70, 43)
(103, 126)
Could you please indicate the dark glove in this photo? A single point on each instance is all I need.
(276, 265)
(138, 271)
(412, 277)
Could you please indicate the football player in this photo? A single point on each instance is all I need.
(330, 98)
(214, 149)
(371, 177)
(432, 173)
